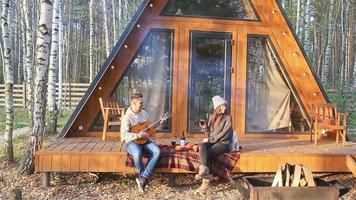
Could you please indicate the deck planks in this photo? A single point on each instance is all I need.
(87, 154)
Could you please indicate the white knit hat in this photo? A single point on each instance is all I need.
(218, 101)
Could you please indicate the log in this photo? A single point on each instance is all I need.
(296, 176)
(308, 176)
(277, 181)
(287, 173)
(302, 182)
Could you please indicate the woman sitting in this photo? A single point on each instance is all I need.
(220, 132)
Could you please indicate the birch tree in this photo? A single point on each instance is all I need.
(114, 19)
(60, 59)
(41, 65)
(9, 81)
(308, 15)
(52, 74)
(28, 62)
(91, 40)
(106, 29)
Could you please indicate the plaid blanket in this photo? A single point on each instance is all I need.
(189, 161)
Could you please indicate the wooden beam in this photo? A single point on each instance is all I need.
(351, 164)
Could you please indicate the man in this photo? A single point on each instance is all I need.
(135, 115)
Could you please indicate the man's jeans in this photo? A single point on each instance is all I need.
(136, 150)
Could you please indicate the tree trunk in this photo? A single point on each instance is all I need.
(9, 81)
(351, 54)
(309, 13)
(114, 20)
(297, 27)
(120, 16)
(91, 40)
(60, 59)
(29, 64)
(42, 61)
(52, 74)
(106, 29)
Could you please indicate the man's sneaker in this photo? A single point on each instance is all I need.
(141, 182)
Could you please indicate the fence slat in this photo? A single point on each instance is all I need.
(76, 93)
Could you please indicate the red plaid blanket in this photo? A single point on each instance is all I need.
(189, 160)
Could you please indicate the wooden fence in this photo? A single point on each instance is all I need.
(72, 93)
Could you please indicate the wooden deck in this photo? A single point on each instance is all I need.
(91, 154)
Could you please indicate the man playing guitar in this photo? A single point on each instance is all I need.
(135, 115)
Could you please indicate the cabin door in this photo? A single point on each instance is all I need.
(209, 75)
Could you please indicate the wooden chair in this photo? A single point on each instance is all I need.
(112, 113)
(325, 116)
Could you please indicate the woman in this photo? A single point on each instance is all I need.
(219, 130)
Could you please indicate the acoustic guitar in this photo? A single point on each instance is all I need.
(148, 127)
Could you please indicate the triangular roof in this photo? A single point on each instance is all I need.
(271, 15)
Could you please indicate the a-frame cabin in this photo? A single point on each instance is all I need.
(181, 53)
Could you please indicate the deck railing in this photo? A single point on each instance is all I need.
(72, 93)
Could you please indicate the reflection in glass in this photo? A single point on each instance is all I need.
(210, 74)
(149, 73)
(272, 104)
(230, 9)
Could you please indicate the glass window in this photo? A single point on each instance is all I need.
(230, 9)
(210, 74)
(149, 73)
(272, 104)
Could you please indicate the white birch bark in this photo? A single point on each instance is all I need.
(52, 73)
(297, 27)
(41, 64)
(106, 29)
(60, 59)
(330, 38)
(114, 20)
(9, 81)
(91, 40)
(120, 16)
(126, 10)
(29, 63)
(308, 15)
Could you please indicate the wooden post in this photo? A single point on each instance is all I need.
(16, 194)
(171, 179)
(46, 178)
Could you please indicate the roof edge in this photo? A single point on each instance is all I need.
(302, 50)
(104, 68)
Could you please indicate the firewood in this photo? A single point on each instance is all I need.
(277, 178)
(287, 173)
(296, 176)
(302, 182)
(308, 176)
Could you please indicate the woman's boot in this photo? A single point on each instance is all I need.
(203, 189)
(204, 172)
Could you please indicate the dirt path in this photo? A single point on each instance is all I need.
(118, 186)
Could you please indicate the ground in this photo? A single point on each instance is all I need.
(116, 186)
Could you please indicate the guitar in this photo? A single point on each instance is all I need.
(148, 127)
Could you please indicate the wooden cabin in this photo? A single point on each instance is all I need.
(179, 54)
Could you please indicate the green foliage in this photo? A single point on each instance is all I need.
(20, 144)
(62, 120)
(21, 118)
(346, 102)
